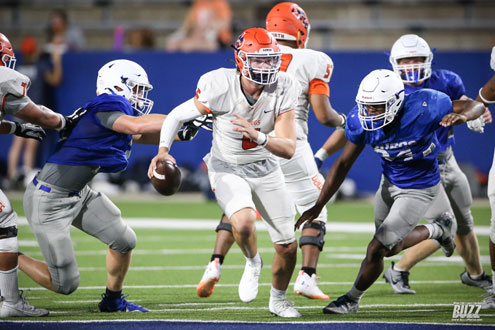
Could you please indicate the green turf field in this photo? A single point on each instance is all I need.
(167, 264)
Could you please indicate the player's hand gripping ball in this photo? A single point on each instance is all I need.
(166, 178)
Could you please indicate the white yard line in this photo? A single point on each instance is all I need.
(338, 227)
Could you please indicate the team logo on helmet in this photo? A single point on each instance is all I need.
(240, 41)
(300, 15)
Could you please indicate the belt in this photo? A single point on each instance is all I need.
(48, 189)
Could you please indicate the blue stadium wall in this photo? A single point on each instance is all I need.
(174, 77)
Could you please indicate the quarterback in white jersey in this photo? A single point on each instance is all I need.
(487, 96)
(247, 104)
(288, 23)
(15, 102)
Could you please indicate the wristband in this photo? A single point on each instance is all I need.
(321, 154)
(13, 126)
(262, 139)
(483, 99)
(63, 122)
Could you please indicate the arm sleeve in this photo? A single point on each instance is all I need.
(107, 119)
(180, 114)
(11, 104)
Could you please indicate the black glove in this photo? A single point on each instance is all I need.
(29, 131)
(70, 122)
(192, 127)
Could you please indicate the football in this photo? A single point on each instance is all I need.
(166, 178)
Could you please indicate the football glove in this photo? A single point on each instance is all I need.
(192, 127)
(71, 122)
(342, 126)
(477, 125)
(29, 131)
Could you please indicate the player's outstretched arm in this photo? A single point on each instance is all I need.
(41, 116)
(324, 111)
(334, 143)
(334, 179)
(463, 111)
(487, 92)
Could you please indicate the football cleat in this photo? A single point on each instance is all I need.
(119, 305)
(306, 286)
(21, 308)
(446, 241)
(484, 282)
(398, 280)
(343, 305)
(488, 302)
(248, 287)
(210, 277)
(282, 308)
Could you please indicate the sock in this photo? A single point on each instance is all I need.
(434, 230)
(219, 256)
(309, 270)
(475, 277)
(355, 294)
(493, 280)
(9, 286)
(256, 260)
(394, 267)
(277, 294)
(113, 294)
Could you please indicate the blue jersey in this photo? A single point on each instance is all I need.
(92, 144)
(449, 83)
(408, 146)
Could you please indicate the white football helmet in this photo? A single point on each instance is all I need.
(411, 45)
(380, 87)
(128, 79)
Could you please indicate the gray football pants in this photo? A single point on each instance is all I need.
(398, 211)
(456, 186)
(51, 214)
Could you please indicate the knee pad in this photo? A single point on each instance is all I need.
(319, 240)
(224, 226)
(125, 242)
(8, 239)
(68, 285)
(65, 275)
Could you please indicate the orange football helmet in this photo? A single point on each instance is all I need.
(7, 57)
(257, 56)
(288, 21)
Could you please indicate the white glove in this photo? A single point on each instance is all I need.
(477, 125)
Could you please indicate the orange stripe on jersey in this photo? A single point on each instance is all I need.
(288, 110)
(317, 86)
(207, 110)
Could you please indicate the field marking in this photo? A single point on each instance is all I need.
(195, 224)
(184, 286)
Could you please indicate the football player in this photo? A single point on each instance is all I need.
(59, 196)
(288, 23)
(248, 103)
(401, 129)
(15, 102)
(487, 96)
(411, 58)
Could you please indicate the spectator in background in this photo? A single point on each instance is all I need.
(207, 27)
(141, 38)
(61, 35)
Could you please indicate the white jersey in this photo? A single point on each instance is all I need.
(492, 59)
(220, 93)
(310, 68)
(13, 89)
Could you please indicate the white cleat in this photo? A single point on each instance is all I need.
(446, 241)
(210, 277)
(282, 308)
(306, 286)
(248, 287)
(21, 308)
(488, 302)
